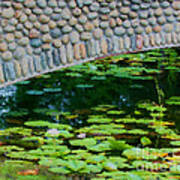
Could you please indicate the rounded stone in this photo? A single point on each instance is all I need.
(67, 29)
(158, 12)
(79, 28)
(55, 33)
(52, 3)
(6, 56)
(143, 15)
(13, 21)
(133, 15)
(18, 34)
(66, 14)
(8, 13)
(148, 29)
(27, 11)
(139, 30)
(155, 5)
(171, 19)
(44, 19)
(161, 20)
(32, 18)
(72, 21)
(30, 3)
(176, 5)
(76, 12)
(12, 46)
(152, 21)
(9, 29)
(124, 10)
(61, 4)
(82, 19)
(104, 24)
(24, 41)
(94, 6)
(98, 33)
(61, 23)
(65, 39)
(127, 24)
(37, 11)
(119, 21)
(48, 11)
(119, 31)
(41, 3)
(57, 43)
(74, 37)
(72, 4)
(46, 38)
(92, 15)
(9, 37)
(85, 36)
(33, 33)
(144, 22)
(168, 12)
(52, 24)
(114, 13)
(168, 28)
(37, 51)
(88, 26)
(46, 47)
(165, 4)
(28, 25)
(19, 53)
(3, 47)
(112, 22)
(135, 7)
(36, 43)
(23, 18)
(109, 32)
(157, 28)
(37, 25)
(130, 31)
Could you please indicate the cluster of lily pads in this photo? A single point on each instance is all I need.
(113, 144)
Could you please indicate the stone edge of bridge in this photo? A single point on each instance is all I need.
(35, 74)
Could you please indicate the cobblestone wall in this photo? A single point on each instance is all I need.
(38, 36)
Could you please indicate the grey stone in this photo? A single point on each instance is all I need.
(66, 29)
(55, 33)
(19, 53)
(41, 3)
(6, 56)
(74, 37)
(8, 13)
(115, 44)
(69, 53)
(37, 63)
(127, 43)
(85, 36)
(119, 31)
(94, 6)
(56, 57)
(98, 33)
(36, 43)
(66, 14)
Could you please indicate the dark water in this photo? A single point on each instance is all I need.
(122, 92)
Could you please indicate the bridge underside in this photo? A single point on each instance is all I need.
(40, 36)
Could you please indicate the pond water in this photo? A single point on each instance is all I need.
(115, 118)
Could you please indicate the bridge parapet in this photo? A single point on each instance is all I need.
(39, 36)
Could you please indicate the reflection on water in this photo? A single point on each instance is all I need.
(76, 90)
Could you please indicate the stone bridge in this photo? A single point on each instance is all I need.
(40, 36)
